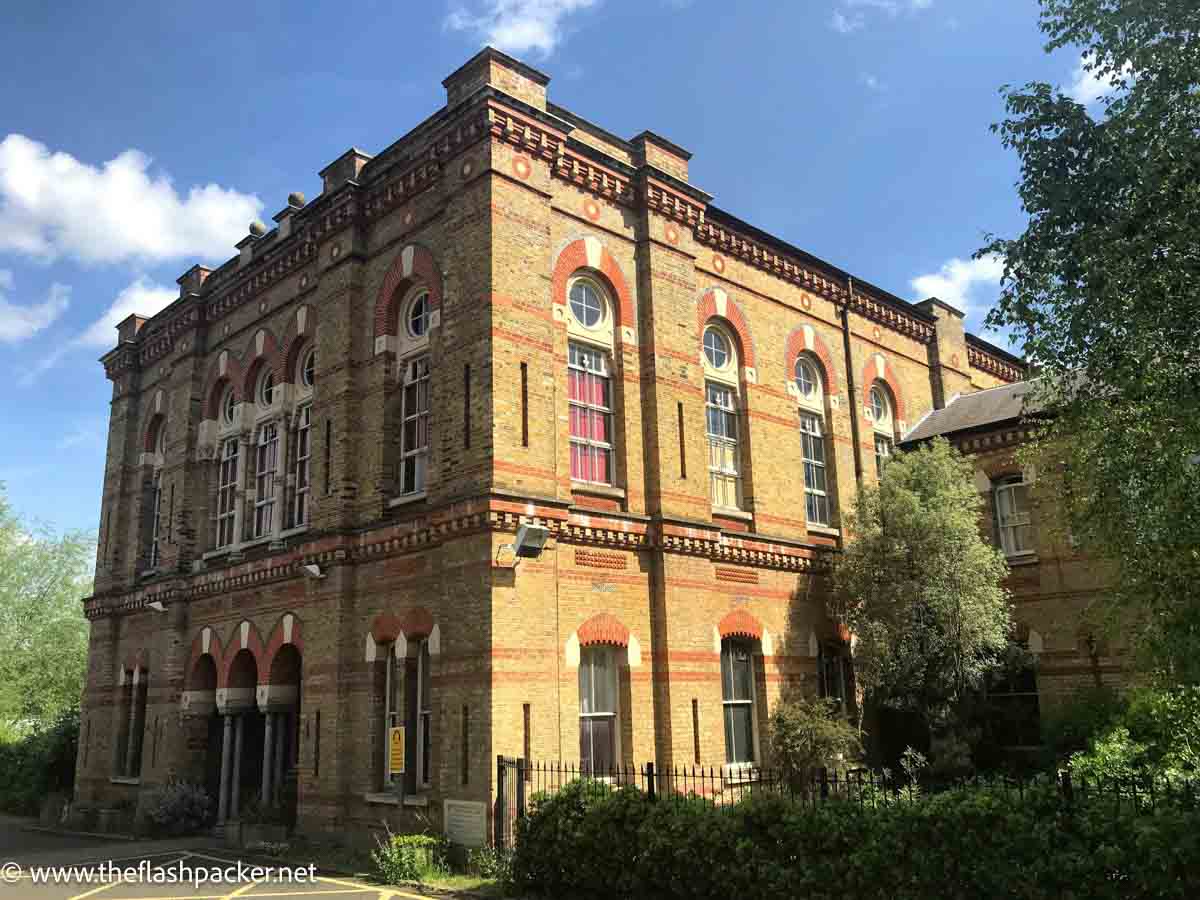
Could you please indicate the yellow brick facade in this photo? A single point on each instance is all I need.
(491, 207)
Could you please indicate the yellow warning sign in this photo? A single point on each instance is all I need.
(396, 750)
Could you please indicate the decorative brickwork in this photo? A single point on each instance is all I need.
(744, 576)
(740, 623)
(603, 629)
(596, 560)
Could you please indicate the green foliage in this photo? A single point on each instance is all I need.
(409, 857)
(959, 844)
(1156, 732)
(806, 733)
(919, 586)
(490, 863)
(1100, 289)
(39, 763)
(1068, 728)
(179, 808)
(43, 634)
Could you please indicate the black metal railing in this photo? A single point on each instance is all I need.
(520, 781)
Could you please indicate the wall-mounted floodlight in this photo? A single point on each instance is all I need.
(531, 540)
(157, 606)
(312, 570)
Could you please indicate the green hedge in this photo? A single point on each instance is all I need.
(590, 841)
(39, 764)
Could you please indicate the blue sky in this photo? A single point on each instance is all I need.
(138, 138)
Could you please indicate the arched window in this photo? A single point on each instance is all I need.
(416, 315)
(133, 708)
(883, 425)
(721, 417)
(156, 505)
(266, 387)
(599, 751)
(1014, 518)
(266, 461)
(408, 704)
(738, 700)
(301, 440)
(228, 405)
(810, 387)
(589, 381)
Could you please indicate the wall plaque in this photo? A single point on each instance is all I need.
(465, 822)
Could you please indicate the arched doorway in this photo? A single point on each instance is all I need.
(242, 740)
(279, 701)
(203, 722)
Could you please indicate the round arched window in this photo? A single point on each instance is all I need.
(807, 379)
(160, 438)
(587, 304)
(879, 404)
(266, 387)
(716, 348)
(228, 402)
(418, 315)
(308, 368)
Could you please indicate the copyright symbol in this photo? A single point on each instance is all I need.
(10, 873)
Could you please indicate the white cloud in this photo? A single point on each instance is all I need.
(957, 280)
(18, 323)
(855, 17)
(518, 26)
(1087, 87)
(142, 296)
(870, 82)
(52, 205)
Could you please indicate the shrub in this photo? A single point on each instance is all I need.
(1155, 733)
(960, 844)
(38, 764)
(179, 808)
(488, 862)
(806, 733)
(409, 857)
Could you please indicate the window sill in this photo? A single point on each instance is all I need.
(220, 551)
(405, 498)
(125, 779)
(730, 513)
(148, 573)
(256, 542)
(599, 490)
(1022, 559)
(292, 532)
(824, 530)
(387, 798)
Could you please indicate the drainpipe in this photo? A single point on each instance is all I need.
(850, 386)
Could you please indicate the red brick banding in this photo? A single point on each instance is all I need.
(870, 375)
(417, 623)
(740, 623)
(275, 642)
(151, 437)
(253, 362)
(253, 644)
(734, 318)
(293, 344)
(573, 259)
(603, 629)
(396, 285)
(385, 628)
(819, 352)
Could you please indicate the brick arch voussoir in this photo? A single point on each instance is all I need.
(278, 639)
(734, 318)
(603, 628)
(215, 382)
(254, 643)
(417, 623)
(385, 628)
(574, 258)
(740, 623)
(294, 342)
(137, 659)
(254, 362)
(155, 421)
(214, 651)
(870, 375)
(819, 350)
(420, 268)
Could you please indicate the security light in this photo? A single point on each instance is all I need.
(530, 541)
(157, 606)
(312, 570)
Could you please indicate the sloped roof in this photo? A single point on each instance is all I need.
(977, 410)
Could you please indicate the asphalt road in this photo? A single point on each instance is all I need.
(50, 866)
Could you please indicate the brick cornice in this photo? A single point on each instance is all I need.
(981, 359)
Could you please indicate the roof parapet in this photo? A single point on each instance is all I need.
(345, 168)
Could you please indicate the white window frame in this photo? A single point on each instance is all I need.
(227, 485)
(722, 447)
(728, 645)
(266, 466)
(308, 367)
(264, 391)
(588, 657)
(420, 296)
(417, 375)
(884, 446)
(592, 363)
(812, 438)
(725, 348)
(805, 372)
(1008, 523)
(601, 303)
(228, 405)
(424, 716)
(302, 467)
(155, 520)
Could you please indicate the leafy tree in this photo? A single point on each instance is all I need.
(920, 588)
(43, 635)
(1103, 290)
(806, 733)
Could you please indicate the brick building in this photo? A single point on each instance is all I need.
(318, 458)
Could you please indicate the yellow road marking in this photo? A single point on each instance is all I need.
(243, 889)
(96, 890)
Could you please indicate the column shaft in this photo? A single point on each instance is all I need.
(226, 751)
(235, 793)
(268, 746)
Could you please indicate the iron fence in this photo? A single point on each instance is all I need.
(520, 782)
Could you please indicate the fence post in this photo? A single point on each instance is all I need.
(824, 783)
(501, 812)
(520, 788)
(650, 781)
(1068, 790)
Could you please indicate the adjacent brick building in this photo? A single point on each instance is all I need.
(319, 457)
